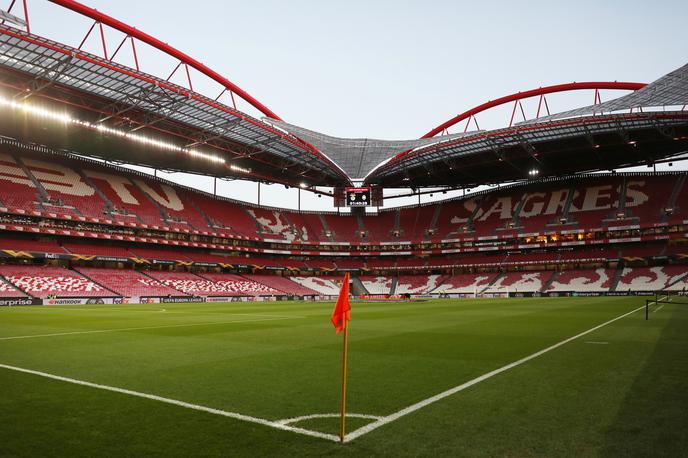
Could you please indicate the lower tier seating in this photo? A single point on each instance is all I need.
(583, 280)
(324, 286)
(466, 283)
(44, 281)
(520, 282)
(282, 284)
(377, 285)
(126, 282)
(649, 278)
(418, 284)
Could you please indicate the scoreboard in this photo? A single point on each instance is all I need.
(357, 197)
(361, 196)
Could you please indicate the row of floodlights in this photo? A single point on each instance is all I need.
(66, 119)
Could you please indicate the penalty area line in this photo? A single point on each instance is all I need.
(187, 405)
(426, 402)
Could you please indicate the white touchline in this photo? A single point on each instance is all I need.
(659, 307)
(187, 405)
(99, 331)
(426, 402)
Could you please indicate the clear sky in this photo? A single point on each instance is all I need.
(392, 69)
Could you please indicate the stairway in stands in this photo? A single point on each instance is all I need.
(678, 187)
(615, 280)
(432, 228)
(393, 288)
(489, 285)
(549, 282)
(330, 237)
(357, 287)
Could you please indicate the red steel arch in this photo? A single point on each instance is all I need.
(597, 85)
(164, 47)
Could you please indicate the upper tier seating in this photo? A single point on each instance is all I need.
(127, 282)
(583, 280)
(65, 188)
(44, 246)
(97, 250)
(16, 188)
(324, 286)
(379, 228)
(308, 226)
(376, 285)
(418, 284)
(466, 283)
(343, 227)
(228, 217)
(159, 253)
(44, 281)
(50, 183)
(414, 222)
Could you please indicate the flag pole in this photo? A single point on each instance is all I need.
(343, 415)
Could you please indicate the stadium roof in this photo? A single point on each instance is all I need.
(101, 108)
(359, 156)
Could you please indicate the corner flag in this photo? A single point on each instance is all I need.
(342, 311)
(340, 320)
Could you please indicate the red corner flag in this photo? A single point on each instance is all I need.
(342, 311)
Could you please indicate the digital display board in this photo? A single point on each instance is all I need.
(357, 197)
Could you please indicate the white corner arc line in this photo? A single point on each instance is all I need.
(187, 405)
(100, 331)
(289, 421)
(426, 402)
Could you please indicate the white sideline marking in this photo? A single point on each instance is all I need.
(289, 421)
(99, 331)
(597, 343)
(659, 307)
(426, 402)
(187, 405)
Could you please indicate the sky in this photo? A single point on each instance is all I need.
(388, 69)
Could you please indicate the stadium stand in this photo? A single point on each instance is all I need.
(649, 278)
(466, 283)
(597, 280)
(97, 250)
(42, 281)
(9, 290)
(519, 282)
(17, 190)
(282, 284)
(418, 284)
(40, 246)
(377, 285)
(324, 286)
(194, 285)
(127, 282)
(240, 286)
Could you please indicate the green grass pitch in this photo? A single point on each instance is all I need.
(620, 390)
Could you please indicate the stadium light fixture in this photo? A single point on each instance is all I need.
(66, 119)
(236, 168)
(534, 172)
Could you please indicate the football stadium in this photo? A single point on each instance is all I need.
(527, 299)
